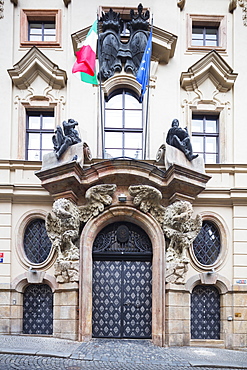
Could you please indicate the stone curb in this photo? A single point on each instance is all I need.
(216, 365)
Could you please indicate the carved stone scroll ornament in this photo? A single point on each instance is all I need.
(63, 228)
(177, 223)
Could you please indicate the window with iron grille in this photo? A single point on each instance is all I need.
(123, 136)
(205, 137)
(204, 36)
(39, 132)
(207, 245)
(37, 244)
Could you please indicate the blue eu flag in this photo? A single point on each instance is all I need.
(143, 72)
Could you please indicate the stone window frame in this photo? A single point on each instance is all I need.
(219, 223)
(207, 21)
(207, 135)
(211, 108)
(40, 15)
(21, 227)
(24, 108)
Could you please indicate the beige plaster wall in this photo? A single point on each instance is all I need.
(225, 194)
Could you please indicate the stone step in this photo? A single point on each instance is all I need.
(207, 343)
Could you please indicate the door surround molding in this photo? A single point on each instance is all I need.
(89, 233)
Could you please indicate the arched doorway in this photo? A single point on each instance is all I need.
(38, 309)
(205, 312)
(122, 282)
(154, 232)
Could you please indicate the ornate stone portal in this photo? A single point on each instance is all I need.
(87, 201)
(179, 227)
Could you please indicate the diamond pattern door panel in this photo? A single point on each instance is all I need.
(107, 298)
(137, 299)
(38, 309)
(205, 313)
(122, 299)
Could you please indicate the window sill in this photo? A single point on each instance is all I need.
(206, 48)
(41, 44)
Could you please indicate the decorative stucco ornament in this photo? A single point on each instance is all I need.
(1, 8)
(63, 227)
(177, 223)
(243, 4)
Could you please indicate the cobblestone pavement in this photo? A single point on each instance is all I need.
(32, 353)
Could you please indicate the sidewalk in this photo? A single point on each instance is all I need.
(123, 351)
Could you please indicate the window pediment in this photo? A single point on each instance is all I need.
(163, 43)
(210, 66)
(35, 63)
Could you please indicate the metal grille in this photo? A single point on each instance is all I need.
(207, 246)
(205, 313)
(37, 244)
(38, 309)
(122, 299)
(122, 237)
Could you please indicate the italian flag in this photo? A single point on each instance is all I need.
(86, 58)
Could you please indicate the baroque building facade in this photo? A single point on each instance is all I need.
(124, 234)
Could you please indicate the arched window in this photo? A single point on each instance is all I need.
(37, 245)
(123, 131)
(207, 245)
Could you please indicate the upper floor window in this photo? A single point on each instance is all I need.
(205, 137)
(206, 32)
(39, 132)
(204, 36)
(37, 245)
(42, 31)
(123, 136)
(41, 28)
(207, 245)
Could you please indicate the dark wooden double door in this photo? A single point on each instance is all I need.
(122, 299)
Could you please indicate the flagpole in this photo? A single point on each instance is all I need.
(100, 93)
(147, 110)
